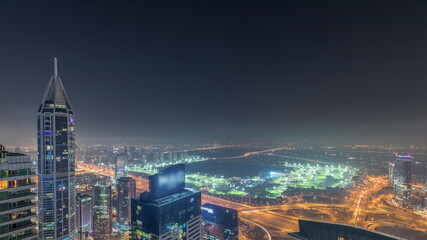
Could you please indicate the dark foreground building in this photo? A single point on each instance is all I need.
(16, 216)
(313, 230)
(168, 211)
(219, 223)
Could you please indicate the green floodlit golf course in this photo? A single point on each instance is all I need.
(266, 183)
(299, 176)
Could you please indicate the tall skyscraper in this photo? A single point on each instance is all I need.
(15, 197)
(403, 178)
(84, 215)
(391, 174)
(219, 223)
(56, 163)
(121, 165)
(168, 211)
(126, 190)
(102, 217)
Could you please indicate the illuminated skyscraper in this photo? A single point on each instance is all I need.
(403, 178)
(56, 163)
(403, 172)
(391, 174)
(168, 211)
(121, 165)
(102, 218)
(15, 196)
(126, 190)
(84, 215)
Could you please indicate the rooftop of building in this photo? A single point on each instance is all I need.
(55, 93)
(125, 179)
(342, 226)
(145, 197)
(7, 153)
(10, 154)
(213, 206)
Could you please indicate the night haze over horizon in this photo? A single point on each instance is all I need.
(219, 120)
(201, 71)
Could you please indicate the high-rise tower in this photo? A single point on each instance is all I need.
(403, 178)
(391, 173)
(126, 190)
(102, 219)
(56, 163)
(121, 165)
(84, 215)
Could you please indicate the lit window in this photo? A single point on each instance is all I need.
(3, 184)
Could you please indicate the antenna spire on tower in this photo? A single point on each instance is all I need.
(55, 67)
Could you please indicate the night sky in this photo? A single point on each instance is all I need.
(198, 71)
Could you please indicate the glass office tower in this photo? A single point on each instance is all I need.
(56, 163)
(126, 190)
(84, 215)
(102, 217)
(403, 178)
(16, 217)
(121, 168)
(168, 211)
(219, 223)
(391, 174)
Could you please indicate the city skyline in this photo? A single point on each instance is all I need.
(224, 71)
(218, 120)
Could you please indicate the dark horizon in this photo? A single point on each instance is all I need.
(200, 71)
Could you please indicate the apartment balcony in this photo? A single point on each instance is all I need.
(22, 176)
(20, 229)
(22, 207)
(31, 236)
(22, 187)
(19, 198)
(23, 218)
(16, 166)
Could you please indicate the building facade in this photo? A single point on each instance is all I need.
(84, 215)
(403, 178)
(219, 223)
(56, 163)
(102, 217)
(126, 190)
(168, 211)
(121, 165)
(16, 217)
(391, 174)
